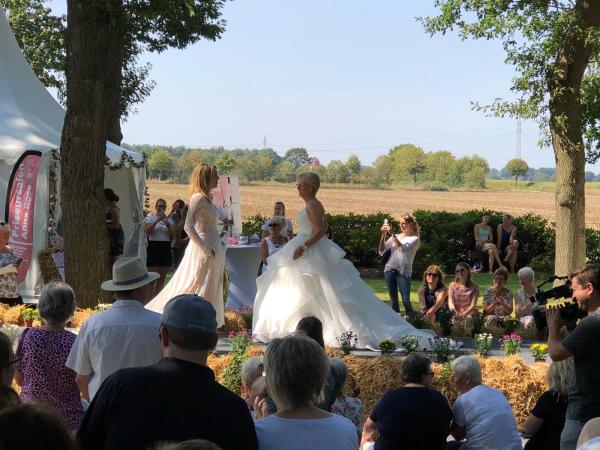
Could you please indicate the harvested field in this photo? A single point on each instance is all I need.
(259, 198)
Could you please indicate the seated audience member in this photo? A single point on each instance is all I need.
(296, 368)
(497, 300)
(547, 419)
(414, 416)
(507, 242)
(31, 427)
(463, 294)
(313, 328)
(252, 369)
(482, 414)
(433, 295)
(589, 439)
(193, 444)
(123, 336)
(484, 242)
(273, 242)
(8, 396)
(9, 268)
(287, 229)
(176, 399)
(42, 354)
(349, 407)
(524, 307)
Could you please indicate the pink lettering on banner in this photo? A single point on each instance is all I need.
(21, 211)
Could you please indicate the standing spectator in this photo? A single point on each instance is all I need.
(160, 229)
(497, 300)
(349, 407)
(482, 414)
(484, 242)
(7, 372)
(524, 307)
(177, 216)
(116, 235)
(33, 428)
(175, 400)
(463, 294)
(9, 268)
(414, 417)
(547, 419)
(287, 229)
(123, 336)
(273, 242)
(296, 368)
(582, 345)
(507, 243)
(42, 354)
(433, 295)
(398, 269)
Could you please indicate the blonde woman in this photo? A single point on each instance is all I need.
(545, 423)
(398, 269)
(309, 276)
(202, 266)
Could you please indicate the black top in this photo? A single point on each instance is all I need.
(174, 400)
(431, 296)
(412, 418)
(552, 407)
(584, 394)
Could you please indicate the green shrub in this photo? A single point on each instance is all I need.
(435, 186)
(253, 225)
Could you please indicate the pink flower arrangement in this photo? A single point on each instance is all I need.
(511, 343)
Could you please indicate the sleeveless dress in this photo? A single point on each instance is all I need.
(272, 248)
(322, 283)
(199, 272)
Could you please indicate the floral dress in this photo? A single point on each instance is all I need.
(352, 409)
(490, 297)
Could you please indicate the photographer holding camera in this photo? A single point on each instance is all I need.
(582, 345)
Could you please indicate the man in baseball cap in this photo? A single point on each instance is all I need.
(177, 399)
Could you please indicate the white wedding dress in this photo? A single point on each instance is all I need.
(323, 284)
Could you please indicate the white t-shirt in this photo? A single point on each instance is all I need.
(160, 232)
(402, 257)
(125, 335)
(332, 433)
(488, 420)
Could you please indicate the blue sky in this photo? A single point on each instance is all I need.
(336, 77)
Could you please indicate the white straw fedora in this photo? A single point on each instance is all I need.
(129, 273)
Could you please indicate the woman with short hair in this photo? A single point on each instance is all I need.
(547, 418)
(252, 369)
(524, 307)
(43, 352)
(497, 300)
(296, 368)
(274, 242)
(433, 295)
(414, 416)
(287, 228)
(8, 361)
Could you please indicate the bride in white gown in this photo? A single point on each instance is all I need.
(309, 276)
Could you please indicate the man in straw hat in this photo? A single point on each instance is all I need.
(177, 399)
(123, 336)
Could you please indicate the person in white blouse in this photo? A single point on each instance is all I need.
(287, 229)
(273, 242)
(398, 269)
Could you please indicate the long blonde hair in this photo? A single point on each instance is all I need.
(560, 374)
(202, 179)
(410, 220)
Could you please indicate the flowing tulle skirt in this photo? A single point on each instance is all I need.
(197, 274)
(323, 284)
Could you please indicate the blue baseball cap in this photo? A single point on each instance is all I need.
(190, 312)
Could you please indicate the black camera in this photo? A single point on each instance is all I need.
(568, 309)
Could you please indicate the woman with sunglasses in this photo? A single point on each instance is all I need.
(159, 229)
(287, 229)
(273, 242)
(433, 294)
(398, 269)
(463, 294)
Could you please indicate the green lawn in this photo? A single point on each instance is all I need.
(484, 280)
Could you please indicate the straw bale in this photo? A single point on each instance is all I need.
(218, 364)
(255, 350)
(234, 321)
(80, 316)
(12, 315)
(3, 308)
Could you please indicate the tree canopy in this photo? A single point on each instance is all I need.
(517, 168)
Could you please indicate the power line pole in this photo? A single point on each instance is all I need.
(265, 141)
(519, 132)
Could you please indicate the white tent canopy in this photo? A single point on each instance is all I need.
(31, 119)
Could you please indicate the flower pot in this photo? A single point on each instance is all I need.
(28, 322)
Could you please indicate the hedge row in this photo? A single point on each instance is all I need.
(446, 237)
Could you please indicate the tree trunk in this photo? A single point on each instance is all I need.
(90, 79)
(565, 127)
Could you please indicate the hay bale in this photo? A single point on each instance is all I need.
(255, 350)
(235, 322)
(80, 316)
(12, 315)
(218, 364)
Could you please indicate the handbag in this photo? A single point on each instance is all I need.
(384, 257)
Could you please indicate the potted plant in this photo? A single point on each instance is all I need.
(483, 344)
(539, 352)
(27, 315)
(348, 341)
(409, 343)
(387, 347)
(511, 344)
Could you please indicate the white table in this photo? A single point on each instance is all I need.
(242, 267)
